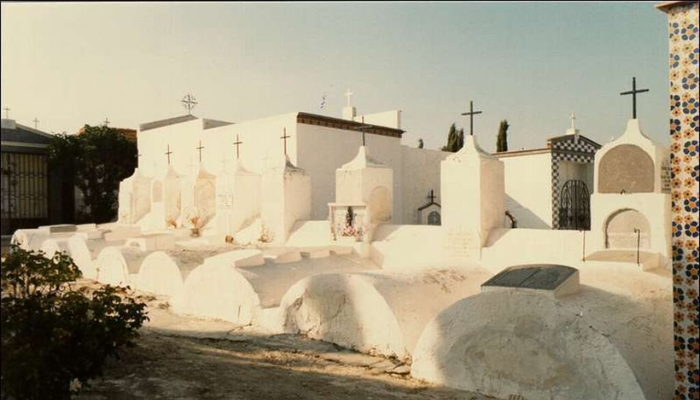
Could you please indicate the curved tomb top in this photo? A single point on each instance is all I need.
(552, 279)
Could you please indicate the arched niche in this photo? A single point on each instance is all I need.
(434, 218)
(621, 230)
(380, 205)
(626, 168)
(172, 195)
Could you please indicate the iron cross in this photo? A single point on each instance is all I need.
(432, 196)
(168, 153)
(7, 112)
(200, 150)
(238, 144)
(362, 129)
(189, 102)
(471, 115)
(572, 117)
(634, 92)
(285, 137)
(106, 122)
(36, 123)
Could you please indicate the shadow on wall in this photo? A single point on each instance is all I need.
(514, 343)
(525, 217)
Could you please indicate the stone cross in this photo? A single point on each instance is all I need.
(237, 143)
(348, 95)
(168, 153)
(634, 92)
(7, 112)
(200, 150)
(572, 117)
(189, 102)
(471, 115)
(106, 122)
(36, 123)
(285, 137)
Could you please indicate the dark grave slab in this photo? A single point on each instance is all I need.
(542, 277)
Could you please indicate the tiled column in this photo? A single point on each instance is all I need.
(684, 123)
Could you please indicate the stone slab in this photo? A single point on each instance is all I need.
(65, 228)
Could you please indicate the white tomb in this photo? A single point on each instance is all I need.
(364, 197)
(199, 199)
(237, 198)
(285, 199)
(631, 205)
(134, 198)
(473, 200)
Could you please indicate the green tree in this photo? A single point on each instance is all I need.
(420, 143)
(96, 160)
(55, 339)
(502, 139)
(455, 139)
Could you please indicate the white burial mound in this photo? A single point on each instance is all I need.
(165, 272)
(119, 265)
(243, 288)
(609, 340)
(85, 252)
(379, 312)
(51, 246)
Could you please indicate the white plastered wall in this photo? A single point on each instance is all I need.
(528, 187)
(421, 171)
(322, 150)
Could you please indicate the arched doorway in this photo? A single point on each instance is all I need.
(624, 228)
(575, 206)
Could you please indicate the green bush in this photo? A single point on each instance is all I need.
(55, 338)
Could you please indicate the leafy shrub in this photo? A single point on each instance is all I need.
(55, 338)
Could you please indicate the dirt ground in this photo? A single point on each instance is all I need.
(186, 358)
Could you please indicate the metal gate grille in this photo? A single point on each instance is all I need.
(575, 206)
(24, 191)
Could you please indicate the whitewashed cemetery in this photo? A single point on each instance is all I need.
(330, 228)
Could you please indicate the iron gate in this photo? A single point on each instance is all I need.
(24, 191)
(575, 206)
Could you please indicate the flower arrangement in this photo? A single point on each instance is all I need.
(194, 219)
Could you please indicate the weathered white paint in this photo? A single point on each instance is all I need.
(528, 186)
(426, 243)
(473, 200)
(237, 198)
(164, 272)
(378, 312)
(655, 206)
(614, 332)
(285, 199)
(119, 265)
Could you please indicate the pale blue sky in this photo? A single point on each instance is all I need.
(530, 63)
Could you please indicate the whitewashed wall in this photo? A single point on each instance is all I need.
(322, 150)
(529, 189)
(421, 173)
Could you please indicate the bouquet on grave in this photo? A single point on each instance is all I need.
(350, 229)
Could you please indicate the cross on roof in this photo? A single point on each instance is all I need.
(36, 123)
(285, 137)
(348, 95)
(7, 112)
(471, 115)
(634, 92)
(189, 102)
(237, 143)
(362, 129)
(432, 196)
(168, 153)
(106, 122)
(200, 150)
(572, 117)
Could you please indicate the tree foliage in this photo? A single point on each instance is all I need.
(96, 160)
(54, 338)
(455, 139)
(502, 139)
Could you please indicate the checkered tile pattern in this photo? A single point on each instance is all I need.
(579, 151)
